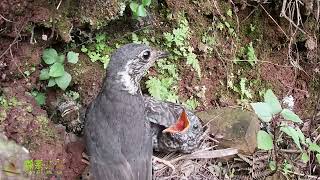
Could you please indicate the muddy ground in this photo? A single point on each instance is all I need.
(29, 27)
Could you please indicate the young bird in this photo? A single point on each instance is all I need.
(173, 127)
(118, 137)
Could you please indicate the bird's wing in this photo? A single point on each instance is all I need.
(161, 112)
(106, 162)
(110, 162)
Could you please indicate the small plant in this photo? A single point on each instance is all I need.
(55, 73)
(29, 72)
(241, 89)
(191, 103)
(247, 53)
(271, 109)
(139, 10)
(178, 42)
(39, 97)
(160, 89)
(75, 96)
(99, 51)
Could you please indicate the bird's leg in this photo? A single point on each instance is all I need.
(85, 158)
(168, 163)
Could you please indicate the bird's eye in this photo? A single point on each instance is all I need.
(195, 126)
(146, 55)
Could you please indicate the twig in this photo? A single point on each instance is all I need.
(168, 163)
(59, 4)
(274, 21)
(283, 14)
(262, 61)
(16, 64)
(5, 18)
(305, 175)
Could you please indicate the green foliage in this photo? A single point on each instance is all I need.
(39, 97)
(177, 43)
(73, 95)
(99, 50)
(270, 108)
(251, 55)
(247, 53)
(29, 72)
(264, 140)
(290, 131)
(287, 167)
(242, 89)
(55, 73)
(72, 57)
(305, 157)
(272, 165)
(272, 101)
(191, 103)
(160, 89)
(290, 116)
(263, 111)
(139, 10)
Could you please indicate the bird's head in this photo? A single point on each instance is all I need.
(130, 63)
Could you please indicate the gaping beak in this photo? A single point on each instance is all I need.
(162, 54)
(181, 125)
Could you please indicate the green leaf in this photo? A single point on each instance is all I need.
(134, 6)
(264, 140)
(51, 82)
(141, 11)
(314, 147)
(60, 58)
(272, 165)
(40, 99)
(146, 2)
(318, 157)
(290, 116)
(305, 157)
(229, 12)
(290, 131)
(273, 102)
(63, 81)
(50, 56)
(44, 74)
(72, 57)
(301, 136)
(56, 70)
(262, 110)
(191, 103)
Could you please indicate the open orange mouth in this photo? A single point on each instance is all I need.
(181, 125)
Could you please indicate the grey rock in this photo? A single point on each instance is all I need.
(237, 128)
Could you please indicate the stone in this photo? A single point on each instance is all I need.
(237, 128)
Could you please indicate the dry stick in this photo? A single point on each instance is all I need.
(59, 4)
(168, 163)
(5, 18)
(16, 64)
(274, 21)
(262, 61)
(249, 15)
(234, 10)
(283, 14)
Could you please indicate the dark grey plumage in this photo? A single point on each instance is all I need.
(163, 114)
(117, 134)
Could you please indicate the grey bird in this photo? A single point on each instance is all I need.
(173, 126)
(118, 137)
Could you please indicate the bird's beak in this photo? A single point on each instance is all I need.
(162, 54)
(180, 126)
